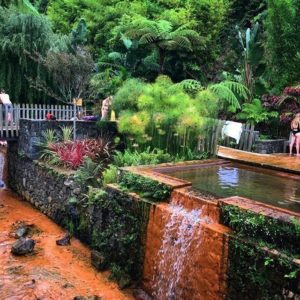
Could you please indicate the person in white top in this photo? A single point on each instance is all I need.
(4, 99)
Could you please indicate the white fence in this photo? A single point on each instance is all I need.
(10, 117)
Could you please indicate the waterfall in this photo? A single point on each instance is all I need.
(182, 228)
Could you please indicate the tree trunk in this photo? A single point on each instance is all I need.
(161, 60)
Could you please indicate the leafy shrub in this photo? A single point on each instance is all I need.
(110, 175)
(283, 235)
(136, 158)
(70, 154)
(144, 186)
(99, 150)
(96, 196)
(88, 173)
(255, 113)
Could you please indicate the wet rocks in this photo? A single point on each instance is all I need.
(23, 246)
(139, 294)
(21, 232)
(98, 260)
(65, 240)
(124, 282)
(87, 298)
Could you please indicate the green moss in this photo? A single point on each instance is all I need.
(121, 238)
(144, 186)
(254, 271)
(282, 235)
(256, 274)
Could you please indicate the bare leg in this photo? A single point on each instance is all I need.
(297, 143)
(292, 144)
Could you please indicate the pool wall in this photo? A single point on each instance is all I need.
(213, 264)
(229, 262)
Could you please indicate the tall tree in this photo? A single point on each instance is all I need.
(161, 36)
(282, 28)
(21, 35)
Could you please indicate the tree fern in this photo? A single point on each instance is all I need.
(160, 34)
(229, 92)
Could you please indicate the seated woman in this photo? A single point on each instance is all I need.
(295, 127)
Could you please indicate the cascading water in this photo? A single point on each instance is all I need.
(182, 228)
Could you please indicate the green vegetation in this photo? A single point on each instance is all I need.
(261, 254)
(256, 274)
(282, 235)
(144, 186)
(203, 59)
(124, 231)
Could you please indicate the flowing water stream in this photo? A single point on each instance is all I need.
(182, 229)
(52, 272)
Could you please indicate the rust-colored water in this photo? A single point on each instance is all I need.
(185, 257)
(53, 272)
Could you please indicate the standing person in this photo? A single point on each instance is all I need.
(295, 128)
(4, 98)
(106, 103)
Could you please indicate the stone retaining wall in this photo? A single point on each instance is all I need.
(116, 231)
(31, 133)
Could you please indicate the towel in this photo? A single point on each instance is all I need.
(232, 129)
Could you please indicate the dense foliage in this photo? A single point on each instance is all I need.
(144, 186)
(207, 48)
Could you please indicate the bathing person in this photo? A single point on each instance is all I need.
(4, 99)
(295, 128)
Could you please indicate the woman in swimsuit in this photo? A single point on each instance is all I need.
(295, 127)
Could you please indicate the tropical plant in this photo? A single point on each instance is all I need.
(162, 36)
(88, 173)
(136, 158)
(254, 113)
(49, 138)
(23, 35)
(252, 51)
(66, 133)
(283, 42)
(163, 115)
(110, 175)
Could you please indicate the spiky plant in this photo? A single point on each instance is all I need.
(66, 133)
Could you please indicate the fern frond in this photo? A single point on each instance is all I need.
(237, 88)
(148, 38)
(191, 85)
(224, 93)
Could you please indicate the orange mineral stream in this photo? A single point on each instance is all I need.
(52, 272)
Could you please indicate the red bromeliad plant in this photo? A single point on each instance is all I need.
(71, 154)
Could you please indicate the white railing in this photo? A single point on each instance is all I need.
(10, 117)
